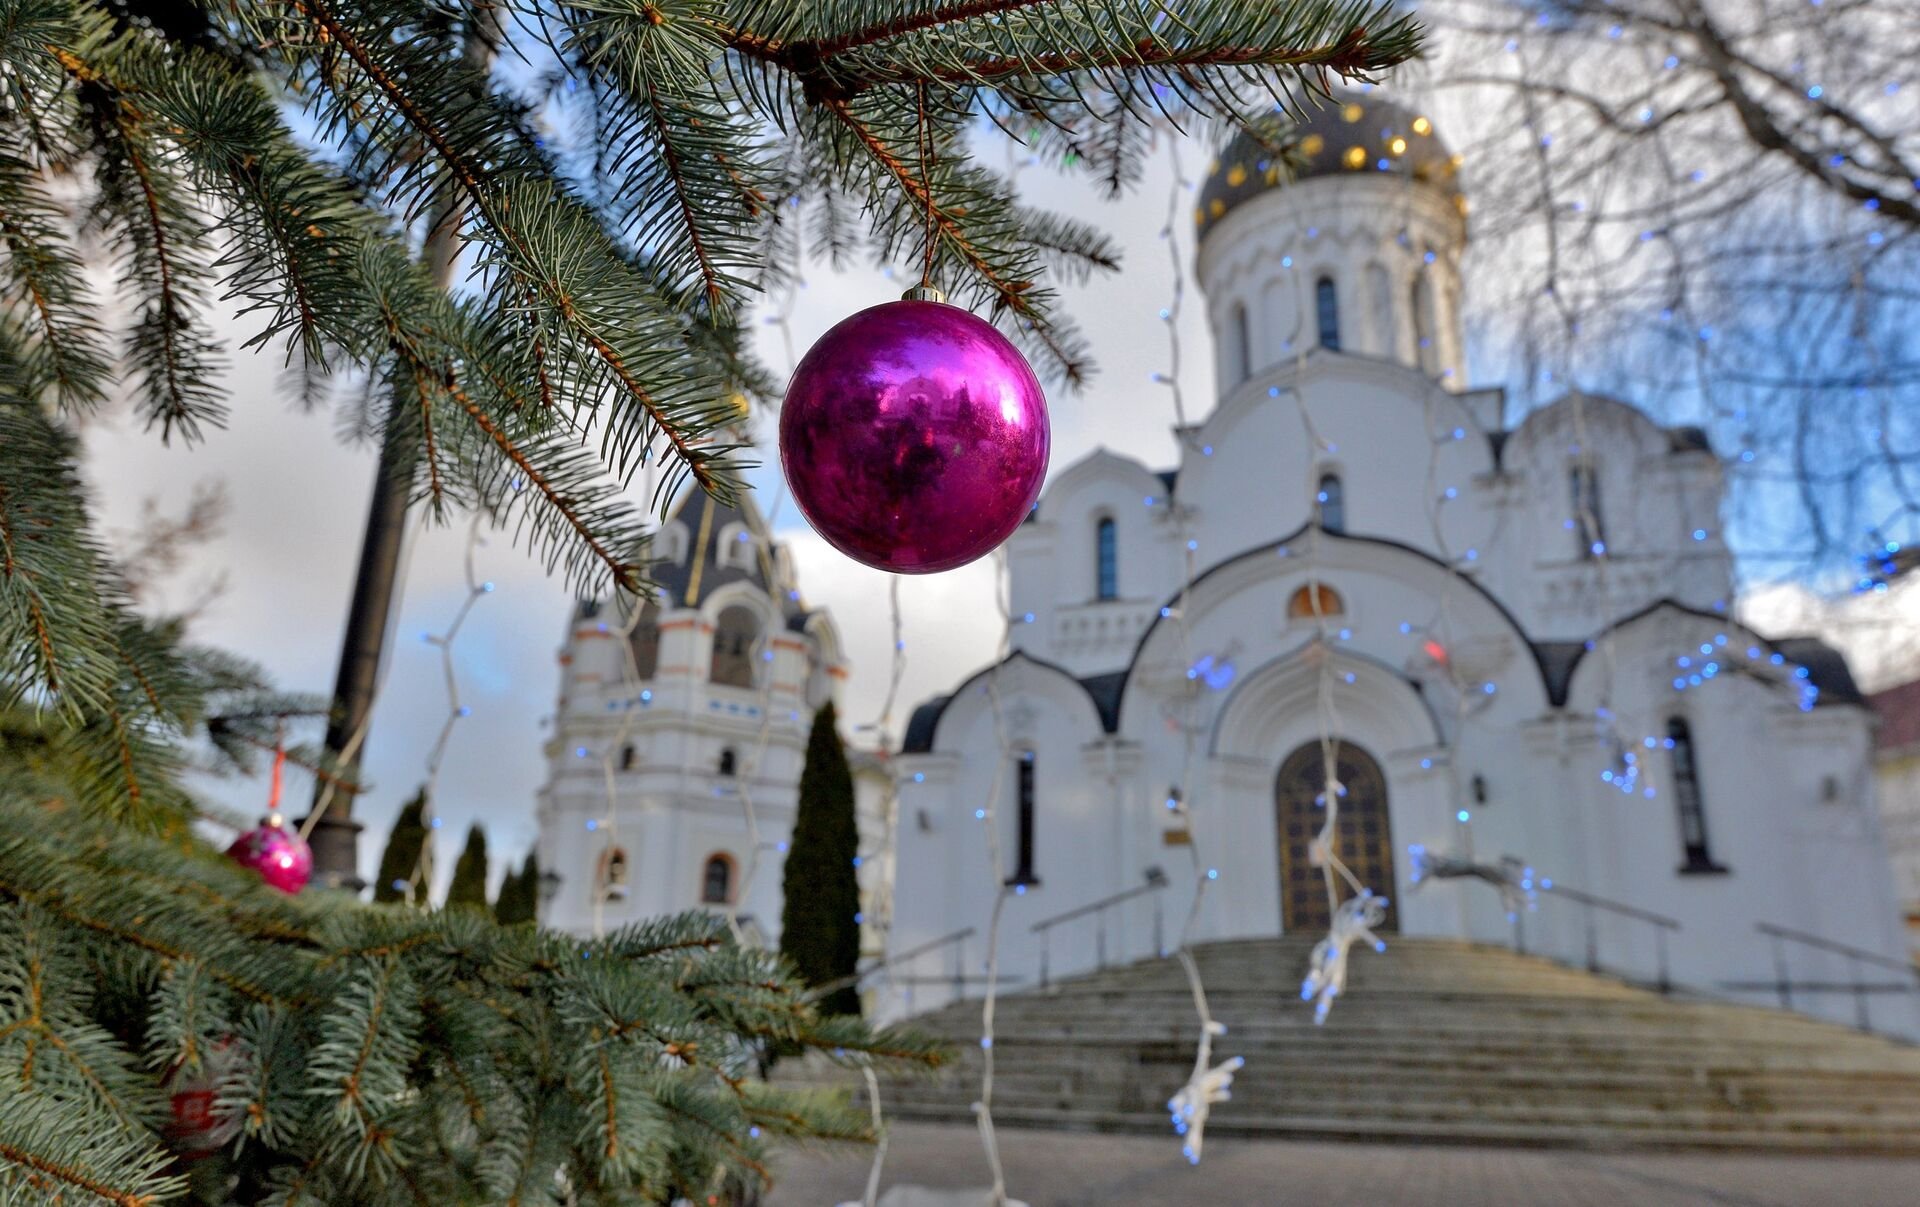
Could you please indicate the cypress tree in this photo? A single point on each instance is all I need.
(519, 898)
(818, 931)
(469, 885)
(402, 854)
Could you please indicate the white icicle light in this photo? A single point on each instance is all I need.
(1327, 977)
(1192, 1103)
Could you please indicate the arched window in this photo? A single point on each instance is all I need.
(1686, 798)
(1240, 345)
(1327, 305)
(613, 874)
(716, 879)
(728, 762)
(735, 547)
(734, 637)
(646, 642)
(1023, 874)
(1107, 558)
(1420, 306)
(1314, 600)
(1589, 529)
(628, 757)
(1331, 501)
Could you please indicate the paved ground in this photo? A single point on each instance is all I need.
(1063, 1169)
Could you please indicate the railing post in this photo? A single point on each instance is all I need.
(1519, 932)
(959, 969)
(1100, 938)
(1046, 944)
(1860, 1010)
(1159, 938)
(1593, 937)
(1781, 983)
(1660, 946)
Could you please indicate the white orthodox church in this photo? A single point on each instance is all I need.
(672, 729)
(1517, 631)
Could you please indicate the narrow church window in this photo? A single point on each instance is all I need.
(1420, 305)
(716, 880)
(1686, 794)
(1241, 346)
(646, 642)
(1023, 866)
(613, 875)
(734, 637)
(1313, 600)
(727, 761)
(1588, 526)
(1327, 303)
(1332, 503)
(1107, 551)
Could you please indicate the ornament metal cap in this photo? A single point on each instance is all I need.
(923, 293)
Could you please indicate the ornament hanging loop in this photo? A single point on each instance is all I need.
(279, 772)
(925, 135)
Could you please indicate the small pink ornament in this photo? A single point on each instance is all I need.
(282, 857)
(914, 437)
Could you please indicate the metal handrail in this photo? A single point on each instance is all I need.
(1858, 953)
(859, 975)
(1156, 882)
(1662, 924)
(1784, 984)
(1613, 907)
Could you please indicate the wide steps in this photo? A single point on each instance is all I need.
(1435, 1041)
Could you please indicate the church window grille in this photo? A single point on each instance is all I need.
(734, 638)
(1589, 526)
(1327, 305)
(1687, 798)
(1331, 500)
(1023, 873)
(1107, 554)
(646, 642)
(716, 880)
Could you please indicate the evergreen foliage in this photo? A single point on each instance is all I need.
(622, 194)
(401, 857)
(519, 899)
(374, 1055)
(820, 885)
(469, 885)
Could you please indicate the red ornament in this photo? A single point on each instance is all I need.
(282, 857)
(196, 1130)
(915, 437)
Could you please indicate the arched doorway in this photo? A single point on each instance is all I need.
(1364, 838)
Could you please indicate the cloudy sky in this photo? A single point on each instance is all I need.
(297, 503)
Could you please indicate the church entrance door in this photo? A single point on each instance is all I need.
(1363, 836)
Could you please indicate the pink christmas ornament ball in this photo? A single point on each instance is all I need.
(282, 857)
(914, 437)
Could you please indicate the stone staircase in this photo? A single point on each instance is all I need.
(1434, 1041)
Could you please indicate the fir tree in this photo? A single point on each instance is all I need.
(400, 860)
(819, 931)
(522, 903)
(469, 885)
(622, 197)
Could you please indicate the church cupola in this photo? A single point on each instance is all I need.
(1358, 251)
